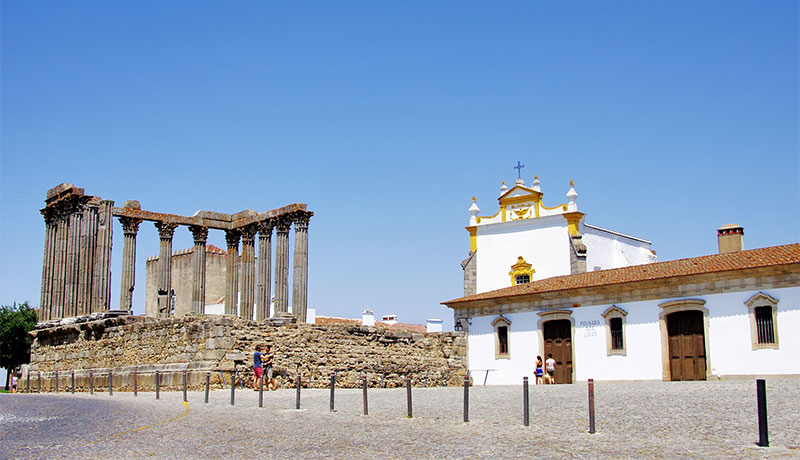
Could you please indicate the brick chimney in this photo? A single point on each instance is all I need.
(730, 238)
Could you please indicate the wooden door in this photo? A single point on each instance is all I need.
(687, 346)
(558, 342)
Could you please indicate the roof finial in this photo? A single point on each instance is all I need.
(536, 184)
(473, 213)
(571, 196)
(503, 188)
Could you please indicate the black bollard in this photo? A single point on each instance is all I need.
(446, 377)
(426, 379)
(208, 384)
(233, 387)
(91, 382)
(761, 394)
(261, 391)
(158, 384)
(364, 386)
(184, 387)
(333, 386)
(39, 390)
(28, 381)
(73, 382)
(466, 398)
(283, 380)
(297, 401)
(383, 377)
(591, 406)
(135, 382)
(408, 397)
(56, 381)
(110, 383)
(525, 413)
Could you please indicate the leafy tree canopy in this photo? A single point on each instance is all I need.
(15, 343)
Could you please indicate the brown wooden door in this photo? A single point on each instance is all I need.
(687, 346)
(558, 342)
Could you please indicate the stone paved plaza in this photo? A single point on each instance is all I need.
(649, 420)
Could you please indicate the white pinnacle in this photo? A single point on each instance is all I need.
(503, 188)
(536, 184)
(473, 211)
(571, 196)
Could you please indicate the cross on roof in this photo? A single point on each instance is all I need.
(519, 167)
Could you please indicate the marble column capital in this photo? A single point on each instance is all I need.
(130, 225)
(232, 238)
(165, 229)
(282, 224)
(265, 229)
(249, 233)
(301, 219)
(200, 234)
(50, 216)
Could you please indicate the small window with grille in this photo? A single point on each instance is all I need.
(522, 279)
(765, 331)
(615, 330)
(616, 334)
(502, 329)
(763, 312)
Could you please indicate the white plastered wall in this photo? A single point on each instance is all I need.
(609, 250)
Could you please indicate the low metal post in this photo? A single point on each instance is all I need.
(56, 381)
(110, 383)
(466, 398)
(333, 386)
(233, 387)
(446, 377)
(297, 400)
(208, 384)
(222, 376)
(28, 382)
(761, 394)
(283, 380)
(39, 390)
(261, 391)
(426, 379)
(383, 377)
(158, 384)
(91, 382)
(73, 382)
(408, 397)
(591, 406)
(525, 414)
(184, 387)
(364, 386)
(135, 382)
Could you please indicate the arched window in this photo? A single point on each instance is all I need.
(763, 312)
(615, 330)
(502, 336)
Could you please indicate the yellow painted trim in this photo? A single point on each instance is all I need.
(503, 208)
(520, 268)
(489, 217)
(521, 199)
(573, 221)
(538, 204)
(562, 206)
(473, 238)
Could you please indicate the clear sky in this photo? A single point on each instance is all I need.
(672, 117)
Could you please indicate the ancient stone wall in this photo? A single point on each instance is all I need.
(221, 344)
(183, 280)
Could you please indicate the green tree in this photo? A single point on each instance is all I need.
(15, 343)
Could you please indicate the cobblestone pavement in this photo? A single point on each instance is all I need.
(651, 420)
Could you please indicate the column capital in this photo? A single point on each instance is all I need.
(249, 233)
(130, 225)
(300, 219)
(165, 229)
(265, 228)
(199, 233)
(232, 238)
(50, 216)
(282, 223)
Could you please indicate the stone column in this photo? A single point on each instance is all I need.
(232, 271)
(200, 235)
(59, 258)
(130, 226)
(282, 265)
(88, 248)
(248, 263)
(72, 264)
(263, 294)
(101, 284)
(300, 278)
(165, 232)
(45, 304)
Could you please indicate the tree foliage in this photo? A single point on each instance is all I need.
(15, 343)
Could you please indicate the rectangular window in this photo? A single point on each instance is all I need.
(764, 326)
(616, 334)
(502, 338)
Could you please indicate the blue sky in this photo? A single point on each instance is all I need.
(673, 118)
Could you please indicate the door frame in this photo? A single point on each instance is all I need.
(674, 306)
(550, 315)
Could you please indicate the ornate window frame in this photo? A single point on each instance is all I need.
(674, 306)
(521, 268)
(760, 299)
(502, 321)
(550, 315)
(611, 313)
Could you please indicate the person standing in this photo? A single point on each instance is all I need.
(257, 366)
(550, 364)
(269, 358)
(539, 370)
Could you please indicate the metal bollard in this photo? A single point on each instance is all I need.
(110, 383)
(184, 387)
(28, 381)
(283, 380)
(56, 381)
(761, 394)
(333, 386)
(297, 400)
(39, 390)
(261, 391)
(158, 384)
(233, 387)
(135, 382)
(426, 379)
(525, 414)
(73, 382)
(446, 377)
(408, 397)
(466, 398)
(364, 386)
(208, 384)
(383, 377)
(591, 406)
(222, 376)
(91, 382)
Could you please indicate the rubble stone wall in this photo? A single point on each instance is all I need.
(222, 344)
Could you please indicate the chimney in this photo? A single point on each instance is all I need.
(389, 319)
(368, 318)
(730, 238)
(434, 325)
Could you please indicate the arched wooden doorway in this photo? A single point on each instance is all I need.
(557, 336)
(687, 345)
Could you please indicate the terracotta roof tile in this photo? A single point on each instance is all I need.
(716, 263)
